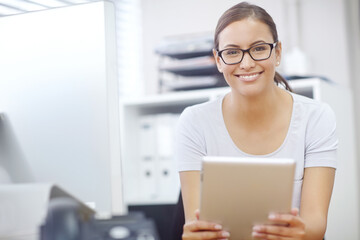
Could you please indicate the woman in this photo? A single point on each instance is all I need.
(258, 119)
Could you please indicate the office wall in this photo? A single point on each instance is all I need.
(325, 39)
(322, 31)
(353, 30)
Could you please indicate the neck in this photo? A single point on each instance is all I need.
(254, 109)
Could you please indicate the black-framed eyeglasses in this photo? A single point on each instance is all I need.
(257, 52)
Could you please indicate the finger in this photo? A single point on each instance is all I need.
(202, 226)
(197, 214)
(281, 232)
(294, 211)
(264, 236)
(206, 235)
(285, 219)
(273, 230)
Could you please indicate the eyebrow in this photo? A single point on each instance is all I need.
(237, 46)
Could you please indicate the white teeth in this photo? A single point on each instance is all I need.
(248, 77)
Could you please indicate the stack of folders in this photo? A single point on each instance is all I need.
(158, 178)
(187, 63)
(186, 46)
(192, 73)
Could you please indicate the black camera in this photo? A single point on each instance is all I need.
(66, 221)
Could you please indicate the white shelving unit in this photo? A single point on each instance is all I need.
(343, 219)
(144, 171)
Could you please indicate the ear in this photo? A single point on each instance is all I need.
(278, 51)
(217, 60)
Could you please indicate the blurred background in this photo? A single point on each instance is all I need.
(160, 58)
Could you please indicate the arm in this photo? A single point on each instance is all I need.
(316, 193)
(190, 190)
(321, 145)
(311, 224)
(193, 228)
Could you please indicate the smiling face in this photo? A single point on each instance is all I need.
(249, 77)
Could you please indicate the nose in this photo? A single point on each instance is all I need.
(247, 62)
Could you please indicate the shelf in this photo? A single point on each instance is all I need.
(186, 55)
(186, 46)
(193, 70)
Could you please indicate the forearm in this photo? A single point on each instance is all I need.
(316, 194)
(190, 190)
(315, 227)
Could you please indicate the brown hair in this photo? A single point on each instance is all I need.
(242, 11)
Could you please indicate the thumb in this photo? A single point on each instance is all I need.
(197, 214)
(294, 211)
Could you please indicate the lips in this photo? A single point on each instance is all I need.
(248, 77)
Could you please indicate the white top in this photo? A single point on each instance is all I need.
(311, 139)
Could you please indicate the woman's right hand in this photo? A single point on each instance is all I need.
(197, 229)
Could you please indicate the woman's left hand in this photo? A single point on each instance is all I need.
(283, 226)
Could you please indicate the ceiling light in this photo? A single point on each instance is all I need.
(79, 1)
(49, 3)
(8, 11)
(23, 5)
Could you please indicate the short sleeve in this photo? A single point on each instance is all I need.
(189, 142)
(321, 138)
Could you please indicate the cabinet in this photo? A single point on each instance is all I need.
(147, 126)
(345, 199)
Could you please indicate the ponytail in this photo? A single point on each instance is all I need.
(280, 80)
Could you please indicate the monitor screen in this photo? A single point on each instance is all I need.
(59, 102)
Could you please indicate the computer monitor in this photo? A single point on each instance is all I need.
(59, 102)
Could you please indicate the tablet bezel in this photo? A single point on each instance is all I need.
(267, 182)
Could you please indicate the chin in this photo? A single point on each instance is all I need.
(247, 91)
(250, 90)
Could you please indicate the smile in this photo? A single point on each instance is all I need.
(248, 77)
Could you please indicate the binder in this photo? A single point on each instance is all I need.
(166, 173)
(147, 190)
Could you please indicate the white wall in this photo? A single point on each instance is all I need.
(323, 31)
(353, 29)
(325, 38)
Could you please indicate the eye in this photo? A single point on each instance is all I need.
(232, 52)
(260, 48)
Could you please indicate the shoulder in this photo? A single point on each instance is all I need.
(318, 119)
(312, 109)
(201, 111)
(306, 101)
(319, 123)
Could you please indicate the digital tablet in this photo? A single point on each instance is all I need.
(241, 192)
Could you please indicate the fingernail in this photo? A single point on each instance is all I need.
(272, 216)
(225, 234)
(256, 228)
(255, 234)
(218, 227)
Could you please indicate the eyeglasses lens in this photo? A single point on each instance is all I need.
(257, 52)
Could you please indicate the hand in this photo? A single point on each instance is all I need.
(283, 227)
(203, 230)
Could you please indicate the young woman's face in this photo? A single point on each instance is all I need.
(249, 77)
